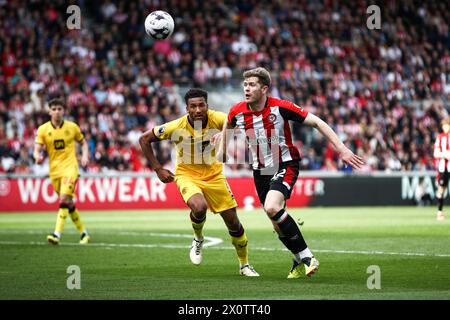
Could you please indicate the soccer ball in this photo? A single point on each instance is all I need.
(159, 25)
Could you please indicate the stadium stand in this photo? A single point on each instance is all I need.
(383, 91)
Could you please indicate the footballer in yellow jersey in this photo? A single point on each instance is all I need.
(198, 174)
(58, 137)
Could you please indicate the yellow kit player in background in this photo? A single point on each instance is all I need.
(58, 136)
(198, 174)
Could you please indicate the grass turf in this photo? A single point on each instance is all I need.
(145, 255)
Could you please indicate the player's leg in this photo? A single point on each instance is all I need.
(290, 235)
(63, 212)
(442, 179)
(288, 231)
(221, 200)
(239, 241)
(68, 187)
(193, 197)
(198, 206)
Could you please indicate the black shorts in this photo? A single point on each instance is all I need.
(442, 178)
(283, 180)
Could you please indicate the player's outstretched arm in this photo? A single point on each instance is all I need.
(145, 141)
(37, 153)
(348, 157)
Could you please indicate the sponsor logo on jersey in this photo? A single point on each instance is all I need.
(59, 144)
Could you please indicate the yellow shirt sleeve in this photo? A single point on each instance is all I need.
(218, 118)
(78, 135)
(165, 131)
(40, 136)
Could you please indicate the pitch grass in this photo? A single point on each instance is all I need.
(144, 255)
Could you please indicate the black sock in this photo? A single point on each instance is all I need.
(441, 203)
(292, 237)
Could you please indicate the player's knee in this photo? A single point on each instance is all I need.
(65, 205)
(272, 209)
(199, 209)
(65, 202)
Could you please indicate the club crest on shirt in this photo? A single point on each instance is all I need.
(161, 130)
(272, 118)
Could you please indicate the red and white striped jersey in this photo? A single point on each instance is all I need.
(268, 132)
(442, 144)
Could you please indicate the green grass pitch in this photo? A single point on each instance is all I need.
(145, 255)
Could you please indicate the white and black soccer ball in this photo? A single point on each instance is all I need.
(159, 25)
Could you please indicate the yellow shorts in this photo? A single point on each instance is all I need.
(216, 191)
(65, 185)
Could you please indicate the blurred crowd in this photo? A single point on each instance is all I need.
(384, 91)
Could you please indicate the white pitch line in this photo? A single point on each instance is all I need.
(170, 246)
(209, 241)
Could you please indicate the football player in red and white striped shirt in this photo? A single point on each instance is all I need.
(265, 121)
(442, 156)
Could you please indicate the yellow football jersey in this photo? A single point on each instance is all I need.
(60, 144)
(195, 154)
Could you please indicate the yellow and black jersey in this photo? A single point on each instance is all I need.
(60, 144)
(195, 154)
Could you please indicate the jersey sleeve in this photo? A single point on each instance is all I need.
(291, 111)
(164, 131)
(231, 119)
(78, 134)
(40, 136)
(219, 119)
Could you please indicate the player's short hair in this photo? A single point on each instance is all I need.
(445, 121)
(261, 73)
(56, 102)
(195, 93)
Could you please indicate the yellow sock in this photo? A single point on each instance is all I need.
(197, 226)
(61, 220)
(75, 216)
(240, 243)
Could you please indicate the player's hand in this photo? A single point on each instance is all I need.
(84, 161)
(215, 138)
(349, 158)
(39, 159)
(165, 175)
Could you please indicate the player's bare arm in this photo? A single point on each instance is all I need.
(84, 153)
(37, 153)
(145, 141)
(222, 141)
(348, 157)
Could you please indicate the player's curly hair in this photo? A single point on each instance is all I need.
(261, 73)
(195, 93)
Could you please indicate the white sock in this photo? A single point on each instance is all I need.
(197, 238)
(58, 234)
(303, 254)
